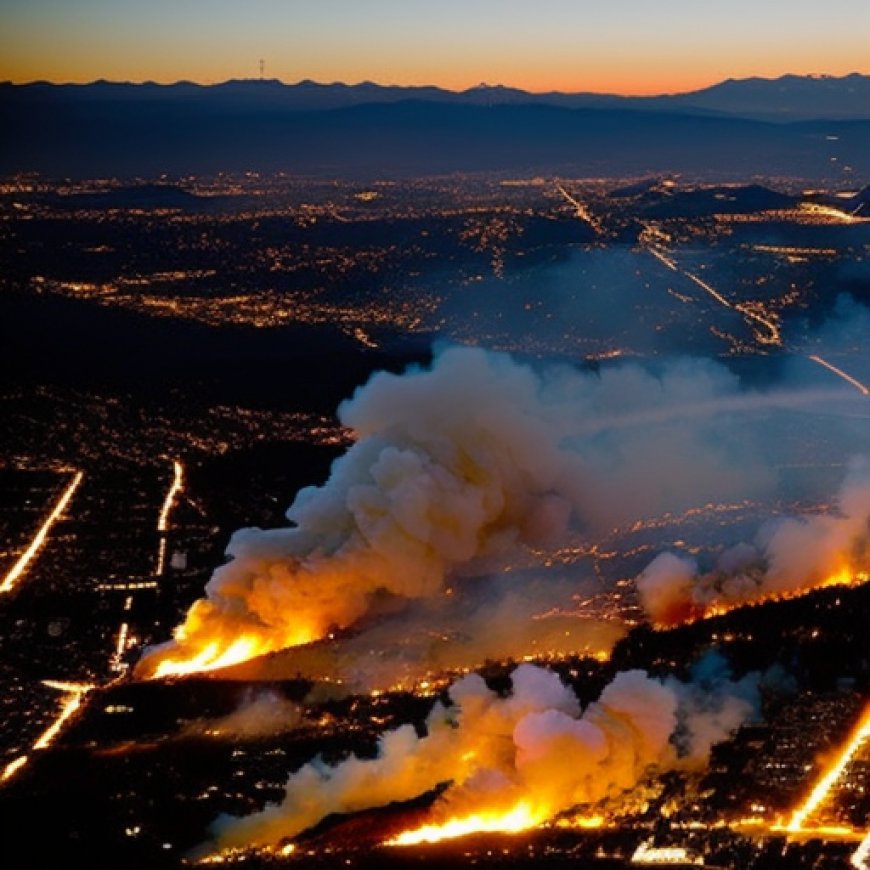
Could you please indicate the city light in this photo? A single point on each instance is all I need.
(821, 790)
(74, 694)
(20, 567)
(862, 388)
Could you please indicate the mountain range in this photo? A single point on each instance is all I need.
(808, 126)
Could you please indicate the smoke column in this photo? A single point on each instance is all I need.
(534, 749)
(789, 556)
(455, 466)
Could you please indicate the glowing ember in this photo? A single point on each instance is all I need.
(585, 823)
(18, 569)
(521, 818)
(823, 787)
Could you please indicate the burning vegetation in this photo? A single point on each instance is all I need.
(458, 468)
(454, 471)
(511, 762)
(789, 557)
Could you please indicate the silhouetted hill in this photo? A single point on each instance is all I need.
(145, 130)
(789, 97)
(140, 196)
(662, 203)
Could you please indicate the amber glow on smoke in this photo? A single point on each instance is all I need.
(683, 612)
(211, 655)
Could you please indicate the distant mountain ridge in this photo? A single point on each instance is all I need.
(366, 130)
(788, 98)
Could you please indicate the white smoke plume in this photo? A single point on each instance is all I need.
(788, 556)
(535, 747)
(260, 714)
(455, 467)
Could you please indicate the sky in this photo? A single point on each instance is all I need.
(615, 46)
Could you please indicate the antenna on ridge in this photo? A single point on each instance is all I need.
(262, 68)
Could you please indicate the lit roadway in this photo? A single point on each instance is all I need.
(124, 639)
(581, 210)
(861, 388)
(20, 567)
(648, 239)
(74, 693)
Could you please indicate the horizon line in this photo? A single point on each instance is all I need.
(445, 89)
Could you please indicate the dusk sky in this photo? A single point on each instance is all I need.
(627, 46)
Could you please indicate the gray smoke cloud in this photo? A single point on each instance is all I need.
(457, 468)
(260, 714)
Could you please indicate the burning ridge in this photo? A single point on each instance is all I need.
(456, 467)
(788, 557)
(513, 762)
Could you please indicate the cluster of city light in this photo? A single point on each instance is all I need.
(647, 854)
(771, 333)
(821, 791)
(39, 539)
(74, 694)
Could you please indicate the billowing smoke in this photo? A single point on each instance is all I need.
(535, 748)
(788, 556)
(260, 714)
(492, 619)
(455, 468)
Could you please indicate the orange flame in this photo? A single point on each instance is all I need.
(685, 613)
(520, 818)
(204, 644)
(212, 657)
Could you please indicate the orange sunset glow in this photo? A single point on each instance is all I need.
(625, 48)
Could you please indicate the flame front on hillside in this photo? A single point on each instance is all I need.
(520, 818)
(458, 468)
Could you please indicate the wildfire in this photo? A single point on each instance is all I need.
(686, 613)
(18, 569)
(520, 818)
(211, 658)
(203, 644)
(584, 823)
(829, 778)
